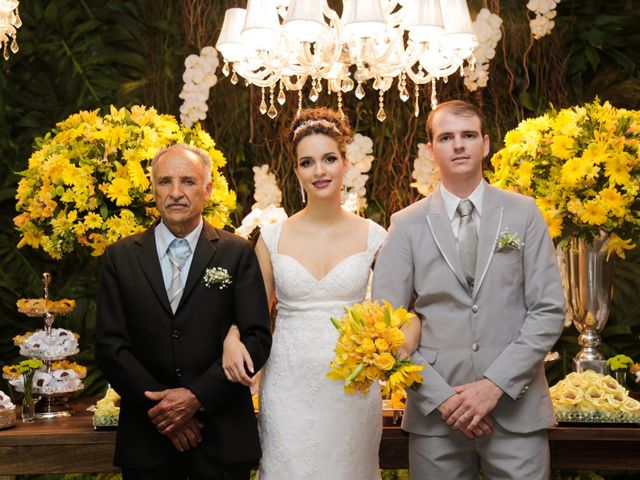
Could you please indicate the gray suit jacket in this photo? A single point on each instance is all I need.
(500, 330)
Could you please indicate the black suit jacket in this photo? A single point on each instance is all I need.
(141, 345)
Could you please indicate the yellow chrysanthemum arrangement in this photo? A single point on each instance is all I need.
(582, 166)
(367, 349)
(593, 397)
(89, 181)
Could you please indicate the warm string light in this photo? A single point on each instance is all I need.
(9, 23)
(292, 43)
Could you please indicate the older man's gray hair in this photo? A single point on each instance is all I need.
(204, 157)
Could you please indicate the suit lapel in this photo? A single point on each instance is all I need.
(205, 250)
(490, 224)
(440, 227)
(150, 264)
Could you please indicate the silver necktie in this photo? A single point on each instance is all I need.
(467, 239)
(178, 252)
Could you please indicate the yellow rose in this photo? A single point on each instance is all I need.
(372, 373)
(385, 361)
(367, 346)
(382, 345)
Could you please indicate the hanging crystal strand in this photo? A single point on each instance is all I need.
(234, 77)
(416, 105)
(263, 104)
(313, 95)
(282, 98)
(272, 112)
(434, 99)
(6, 51)
(381, 115)
(14, 45)
(225, 68)
(17, 21)
(299, 103)
(319, 85)
(359, 91)
(402, 87)
(340, 102)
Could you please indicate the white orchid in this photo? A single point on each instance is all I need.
(360, 159)
(545, 11)
(259, 218)
(425, 171)
(267, 191)
(487, 29)
(199, 76)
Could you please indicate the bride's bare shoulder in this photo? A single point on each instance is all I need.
(356, 221)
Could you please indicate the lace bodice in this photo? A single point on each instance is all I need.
(309, 427)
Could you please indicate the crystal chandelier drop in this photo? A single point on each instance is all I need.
(281, 45)
(9, 22)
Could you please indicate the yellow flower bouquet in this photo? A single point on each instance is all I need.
(88, 181)
(582, 166)
(367, 348)
(593, 397)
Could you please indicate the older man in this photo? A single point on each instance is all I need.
(167, 299)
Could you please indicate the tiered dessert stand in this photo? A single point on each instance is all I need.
(49, 345)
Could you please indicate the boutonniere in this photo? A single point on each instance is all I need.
(508, 241)
(217, 276)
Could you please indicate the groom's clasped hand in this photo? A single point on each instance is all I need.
(468, 410)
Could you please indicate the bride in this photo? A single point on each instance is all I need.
(314, 263)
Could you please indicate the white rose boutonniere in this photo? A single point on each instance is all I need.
(217, 276)
(508, 241)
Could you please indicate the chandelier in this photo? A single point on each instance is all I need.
(283, 44)
(9, 22)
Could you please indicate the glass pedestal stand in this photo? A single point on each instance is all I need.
(53, 405)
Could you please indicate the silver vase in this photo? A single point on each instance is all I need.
(589, 287)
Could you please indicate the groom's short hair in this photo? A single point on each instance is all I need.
(457, 107)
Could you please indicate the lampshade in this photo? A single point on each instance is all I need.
(305, 21)
(423, 19)
(230, 41)
(458, 27)
(261, 27)
(363, 19)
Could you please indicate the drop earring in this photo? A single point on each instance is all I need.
(302, 193)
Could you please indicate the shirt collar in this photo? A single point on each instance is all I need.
(451, 201)
(164, 237)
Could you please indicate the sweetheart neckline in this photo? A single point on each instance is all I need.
(331, 270)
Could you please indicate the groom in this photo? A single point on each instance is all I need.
(479, 268)
(161, 321)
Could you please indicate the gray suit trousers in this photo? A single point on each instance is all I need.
(501, 456)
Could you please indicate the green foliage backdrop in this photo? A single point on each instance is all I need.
(86, 54)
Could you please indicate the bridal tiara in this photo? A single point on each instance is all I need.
(310, 123)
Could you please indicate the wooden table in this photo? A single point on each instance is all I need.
(70, 445)
(572, 448)
(61, 445)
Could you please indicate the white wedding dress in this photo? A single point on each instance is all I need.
(309, 428)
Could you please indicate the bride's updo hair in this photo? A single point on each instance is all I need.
(324, 121)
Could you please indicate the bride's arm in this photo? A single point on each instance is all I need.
(412, 333)
(234, 354)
